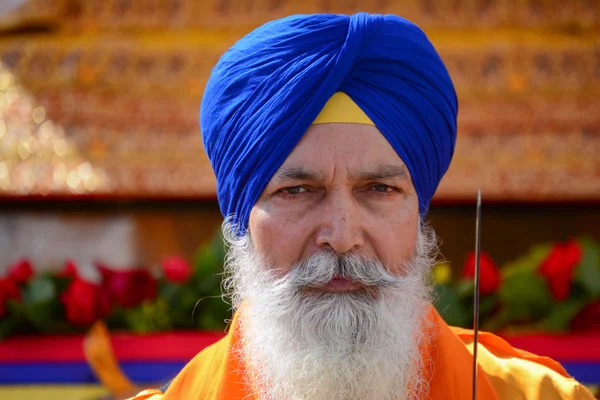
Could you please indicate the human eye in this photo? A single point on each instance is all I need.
(291, 192)
(383, 189)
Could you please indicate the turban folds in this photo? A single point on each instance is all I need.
(266, 91)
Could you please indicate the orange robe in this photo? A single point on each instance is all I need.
(504, 372)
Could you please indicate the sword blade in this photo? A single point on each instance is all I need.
(476, 292)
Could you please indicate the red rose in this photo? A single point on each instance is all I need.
(128, 287)
(85, 302)
(20, 271)
(489, 274)
(176, 269)
(559, 266)
(8, 291)
(588, 319)
(69, 270)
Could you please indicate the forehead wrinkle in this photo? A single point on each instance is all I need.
(379, 172)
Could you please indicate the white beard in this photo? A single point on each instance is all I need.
(301, 343)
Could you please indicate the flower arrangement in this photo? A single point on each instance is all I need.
(176, 295)
(553, 288)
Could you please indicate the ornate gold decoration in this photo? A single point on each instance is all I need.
(536, 166)
(36, 157)
(573, 15)
(125, 80)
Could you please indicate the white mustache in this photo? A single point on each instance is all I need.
(320, 268)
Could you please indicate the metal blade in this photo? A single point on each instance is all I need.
(476, 292)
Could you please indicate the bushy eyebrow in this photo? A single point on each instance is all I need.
(379, 173)
(295, 174)
(386, 173)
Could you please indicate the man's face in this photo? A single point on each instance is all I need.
(334, 273)
(343, 188)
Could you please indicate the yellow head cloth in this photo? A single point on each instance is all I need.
(341, 108)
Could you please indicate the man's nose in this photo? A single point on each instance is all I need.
(340, 227)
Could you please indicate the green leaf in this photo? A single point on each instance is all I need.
(487, 305)
(60, 284)
(117, 319)
(525, 295)
(149, 317)
(587, 273)
(41, 305)
(465, 289)
(16, 310)
(14, 319)
(218, 247)
(181, 311)
(206, 264)
(496, 321)
(39, 315)
(211, 320)
(171, 292)
(561, 315)
(449, 306)
(40, 290)
(6, 328)
(529, 262)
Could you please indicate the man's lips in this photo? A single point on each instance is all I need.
(339, 284)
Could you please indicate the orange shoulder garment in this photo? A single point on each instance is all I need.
(504, 372)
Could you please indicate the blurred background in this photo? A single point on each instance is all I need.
(108, 214)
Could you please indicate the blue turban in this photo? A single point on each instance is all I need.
(266, 90)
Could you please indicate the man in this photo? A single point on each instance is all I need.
(328, 135)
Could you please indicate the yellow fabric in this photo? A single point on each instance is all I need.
(150, 394)
(511, 373)
(52, 392)
(504, 372)
(341, 108)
